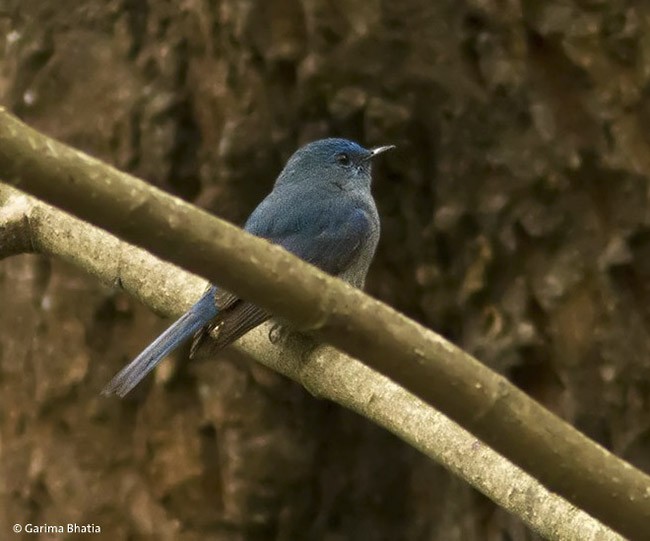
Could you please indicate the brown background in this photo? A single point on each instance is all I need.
(515, 221)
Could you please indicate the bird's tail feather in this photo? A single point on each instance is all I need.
(185, 327)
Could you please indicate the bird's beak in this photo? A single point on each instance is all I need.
(374, 152)
(380, 150)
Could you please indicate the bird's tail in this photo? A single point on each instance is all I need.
(185, 327)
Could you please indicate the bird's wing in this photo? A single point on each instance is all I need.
(328, 236)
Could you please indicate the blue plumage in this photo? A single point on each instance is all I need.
(321, 210)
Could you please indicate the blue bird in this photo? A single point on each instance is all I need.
(321, 210)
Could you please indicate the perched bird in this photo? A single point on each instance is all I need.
(321, 210)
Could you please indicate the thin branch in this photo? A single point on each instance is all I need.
(14, 231)
(324, 371)
(416, 358)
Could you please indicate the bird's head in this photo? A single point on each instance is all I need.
(337, 163)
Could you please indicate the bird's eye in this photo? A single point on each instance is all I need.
(343, 159)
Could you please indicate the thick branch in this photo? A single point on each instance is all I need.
(421, 361)
(324, 371)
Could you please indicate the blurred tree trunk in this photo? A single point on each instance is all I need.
(514, 220)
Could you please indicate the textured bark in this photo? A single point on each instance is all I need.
(514, 221)
(419, 360)
(324, 371)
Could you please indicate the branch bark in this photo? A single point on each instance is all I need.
(430, 367)
(324, 371)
